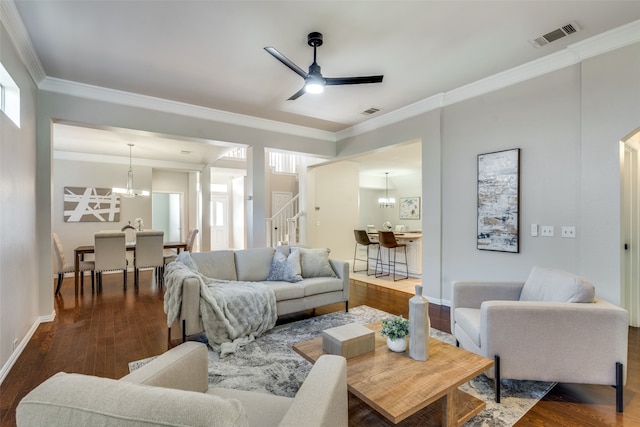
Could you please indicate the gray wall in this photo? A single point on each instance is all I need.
(20, 295)
(568, 125)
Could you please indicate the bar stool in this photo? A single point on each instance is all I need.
(362, 239)
(388, 240)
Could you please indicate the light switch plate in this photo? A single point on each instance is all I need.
(534, 230)
(547, 231)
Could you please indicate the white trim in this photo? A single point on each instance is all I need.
(23, 344)
(10, 17)
(100, 158)
(82, 90)
(573, 54)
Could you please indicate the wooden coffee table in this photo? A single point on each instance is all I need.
(397, 387)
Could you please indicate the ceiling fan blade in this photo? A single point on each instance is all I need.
(297, 95)
(334, 81)
(286, 61)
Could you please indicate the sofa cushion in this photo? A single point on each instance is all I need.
(286, 290)
(468, 319)
(555, 285)
(81, 400)
(321, 285)
(217, 264)
(253, 265)
(262, 409)
(315, 263)
(285, 268)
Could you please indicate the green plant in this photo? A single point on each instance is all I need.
(395, 327)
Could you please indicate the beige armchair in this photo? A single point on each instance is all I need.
(173, 390)
(550, 328)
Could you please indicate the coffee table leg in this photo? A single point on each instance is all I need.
(449, 404)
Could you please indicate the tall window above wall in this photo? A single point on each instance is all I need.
(9, 96)
(282, 162)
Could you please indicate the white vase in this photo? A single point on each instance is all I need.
(398, 345)
(419, 326)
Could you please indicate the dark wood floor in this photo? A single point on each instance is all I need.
(99, 335)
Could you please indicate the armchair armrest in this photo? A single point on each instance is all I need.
(322, 400)
(471, 294)
(184, 367)
(551, 341)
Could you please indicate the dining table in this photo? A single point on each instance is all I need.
(81, 251)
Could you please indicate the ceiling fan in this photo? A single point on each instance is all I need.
(314, 82)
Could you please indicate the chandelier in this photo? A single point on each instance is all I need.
(130, 191)
(386, 201)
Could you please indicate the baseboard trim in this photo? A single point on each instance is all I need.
(23, 344)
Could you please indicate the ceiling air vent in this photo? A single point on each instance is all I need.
(370, 111)
(556, 34)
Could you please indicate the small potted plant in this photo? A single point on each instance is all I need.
(396, 329)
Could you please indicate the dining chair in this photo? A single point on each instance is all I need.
(63, 267)
(362, 239)
(149, 253)
(171, 256)
(110, 254)
(388, 240)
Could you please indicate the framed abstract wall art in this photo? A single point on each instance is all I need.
(499, 201)
(410, 208)
(89, 204)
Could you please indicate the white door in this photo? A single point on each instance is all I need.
(630, 232)
(219, 222)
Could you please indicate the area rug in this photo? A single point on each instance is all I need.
(269, 365)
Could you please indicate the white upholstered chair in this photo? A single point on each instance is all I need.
(170, 255)
(149, 253)
(110, 254)
(549, 328)
(63, 267)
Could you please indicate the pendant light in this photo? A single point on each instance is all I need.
(386, 201)
(130, 191)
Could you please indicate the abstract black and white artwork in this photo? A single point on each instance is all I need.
(89, 204)
(499, 201)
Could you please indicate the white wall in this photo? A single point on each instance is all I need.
(332, 208)
(370, 213)
(542, 118)
(19, 242)
(70, 173)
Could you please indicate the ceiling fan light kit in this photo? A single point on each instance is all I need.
(314, 82)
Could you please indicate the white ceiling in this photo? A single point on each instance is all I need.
(210, 53)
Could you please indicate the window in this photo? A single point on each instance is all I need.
(9, 96)
(238, 154)
(282, 162)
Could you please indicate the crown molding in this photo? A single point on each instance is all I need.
(571, 55)
(11, 20)
(614, 39)
(98, 93)
(100, 158)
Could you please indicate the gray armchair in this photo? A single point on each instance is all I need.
(550, 328)
(173, 390)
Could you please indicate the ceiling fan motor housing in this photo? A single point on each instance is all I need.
(314, 39)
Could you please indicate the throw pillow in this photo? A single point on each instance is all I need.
(315, 263)
(285, 268)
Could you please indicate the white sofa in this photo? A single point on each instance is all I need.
(173, 390)
(549, 328)
(321, 280)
